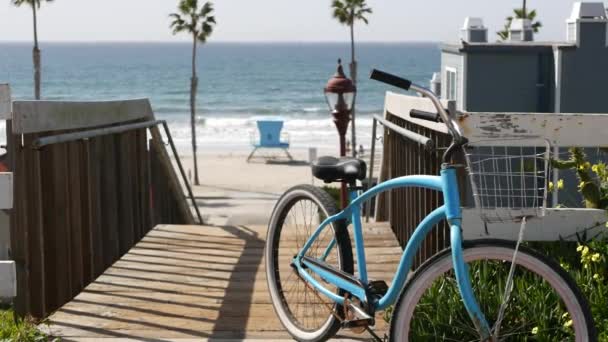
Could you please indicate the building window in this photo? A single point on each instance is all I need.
(451, 82)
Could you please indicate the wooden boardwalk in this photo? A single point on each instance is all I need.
(193, 283)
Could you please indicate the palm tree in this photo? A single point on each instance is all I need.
(520, 13)
(199, 23)
(347, 12)
(35, 4)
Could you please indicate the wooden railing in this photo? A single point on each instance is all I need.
(405, 208)
(405, 155)
(91, 179)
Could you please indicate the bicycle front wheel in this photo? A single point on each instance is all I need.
(544, 305)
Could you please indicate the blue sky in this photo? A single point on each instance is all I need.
(270, 20)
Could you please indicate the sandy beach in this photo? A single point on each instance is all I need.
(235, 192)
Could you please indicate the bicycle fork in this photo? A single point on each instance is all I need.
(454, 216)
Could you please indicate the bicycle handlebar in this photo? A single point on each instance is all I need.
(428, 116)
(393, 80)
(405, 84)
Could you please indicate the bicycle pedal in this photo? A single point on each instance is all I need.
(377, 288)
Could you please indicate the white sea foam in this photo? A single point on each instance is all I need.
(237, 133)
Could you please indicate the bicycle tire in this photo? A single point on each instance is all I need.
(557, 278)
(344, 259)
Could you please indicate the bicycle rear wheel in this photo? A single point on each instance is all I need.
(305, 314)
(545, 304)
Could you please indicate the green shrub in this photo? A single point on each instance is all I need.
(22, 330)
(586, 261)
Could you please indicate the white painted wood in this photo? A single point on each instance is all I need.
(513, 129)
(5, 102)
(6, 190)
(8, 279)
(43, 116)
(555, 225)
(583, 130)
(400, 105)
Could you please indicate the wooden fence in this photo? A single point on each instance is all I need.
(90, 182)
(405, 208)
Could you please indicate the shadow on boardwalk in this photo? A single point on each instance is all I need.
(191, 283)
(179, 282)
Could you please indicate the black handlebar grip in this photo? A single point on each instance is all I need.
(390, 79)
(428, 116)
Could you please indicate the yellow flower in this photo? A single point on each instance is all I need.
(550, 186)
(595, 168)
(596, 276)
(585, 251)
(581, 185)
(534, 330)
(568, 324)
(595, 257)
(565, 315)
(580, 247)
(560, 184)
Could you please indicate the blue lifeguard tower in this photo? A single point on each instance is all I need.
(270, 138)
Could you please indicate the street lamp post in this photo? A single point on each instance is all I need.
(340, 94)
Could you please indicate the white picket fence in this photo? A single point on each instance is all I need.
(8, 283)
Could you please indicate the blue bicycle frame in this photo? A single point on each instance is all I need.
(445, 183)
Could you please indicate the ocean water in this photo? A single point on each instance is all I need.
(238, 82)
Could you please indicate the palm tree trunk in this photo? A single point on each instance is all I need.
(353, 76)
(525, 10)
(193, 90)
(36, 56)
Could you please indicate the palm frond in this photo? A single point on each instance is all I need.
(519, 13)
(206, 9)
(198, 22)
(37, 3)
(348, 11)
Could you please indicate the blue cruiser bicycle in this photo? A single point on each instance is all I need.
(473, 291)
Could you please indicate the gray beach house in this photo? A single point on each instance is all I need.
(523, 75)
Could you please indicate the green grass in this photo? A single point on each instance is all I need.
(22, 330)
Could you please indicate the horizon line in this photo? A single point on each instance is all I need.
(220, 42)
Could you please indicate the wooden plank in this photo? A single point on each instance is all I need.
(136, 185)
(147, 295)
(75, 171)
(88, 266)
(512, 129)
(96, 214)
(6, 190)
(125, 192)
(43, 116)
(5, 102)
(400, 105)
(56, 222)
(8, 279)
(109, 200)
(557, 224)
(36, 244)
(18, 223)
(492, 129)
(143, 155)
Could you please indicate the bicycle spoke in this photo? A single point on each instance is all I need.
(305, 304)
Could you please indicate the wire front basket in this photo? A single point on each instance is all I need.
(509, 179)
